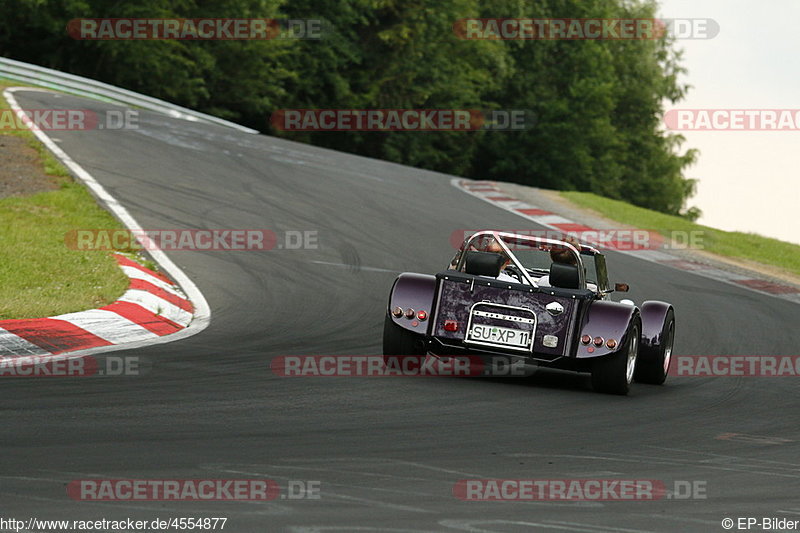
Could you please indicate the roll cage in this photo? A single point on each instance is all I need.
(507, 241)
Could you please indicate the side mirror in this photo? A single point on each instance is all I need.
(621, 287)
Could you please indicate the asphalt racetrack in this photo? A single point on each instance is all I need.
(385, 452)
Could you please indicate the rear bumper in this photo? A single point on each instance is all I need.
(438, 347)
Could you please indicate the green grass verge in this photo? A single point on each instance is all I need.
(732, 244)
(39, 275)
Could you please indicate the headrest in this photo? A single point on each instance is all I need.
(564, 275)
(483, 263)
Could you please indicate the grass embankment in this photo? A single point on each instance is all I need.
(39, 275)
(731, 244)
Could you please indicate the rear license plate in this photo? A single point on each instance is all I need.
(501, 326)
(496, 335)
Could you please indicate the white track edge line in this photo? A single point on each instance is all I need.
(202, 312)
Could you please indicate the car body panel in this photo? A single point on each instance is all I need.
(654, 313)
(608, 320)
(457, 295)
(414, 291)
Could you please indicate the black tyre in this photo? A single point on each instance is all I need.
(613, 373)
(653, 364)
(400, 344)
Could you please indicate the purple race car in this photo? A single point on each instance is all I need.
(533, 301)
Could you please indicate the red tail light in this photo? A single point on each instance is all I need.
(422, 315)
(586, 339)
(450, 325)
(598, 341)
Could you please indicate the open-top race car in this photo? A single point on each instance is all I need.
(532, 300)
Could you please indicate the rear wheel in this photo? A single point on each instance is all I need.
(613, 373)
(653, 365)
(400, 344)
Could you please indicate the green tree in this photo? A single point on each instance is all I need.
(597, 103)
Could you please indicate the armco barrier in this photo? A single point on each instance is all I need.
(69, 83)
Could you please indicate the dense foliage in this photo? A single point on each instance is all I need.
(597, 103)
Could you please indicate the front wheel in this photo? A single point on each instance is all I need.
(613, 373)
(653, 365)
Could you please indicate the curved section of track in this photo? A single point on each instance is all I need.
(387, 452)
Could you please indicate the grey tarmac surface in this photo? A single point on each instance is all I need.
(386, 452)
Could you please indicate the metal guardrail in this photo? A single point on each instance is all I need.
(69, 83)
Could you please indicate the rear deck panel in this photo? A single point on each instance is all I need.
(457, 296)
